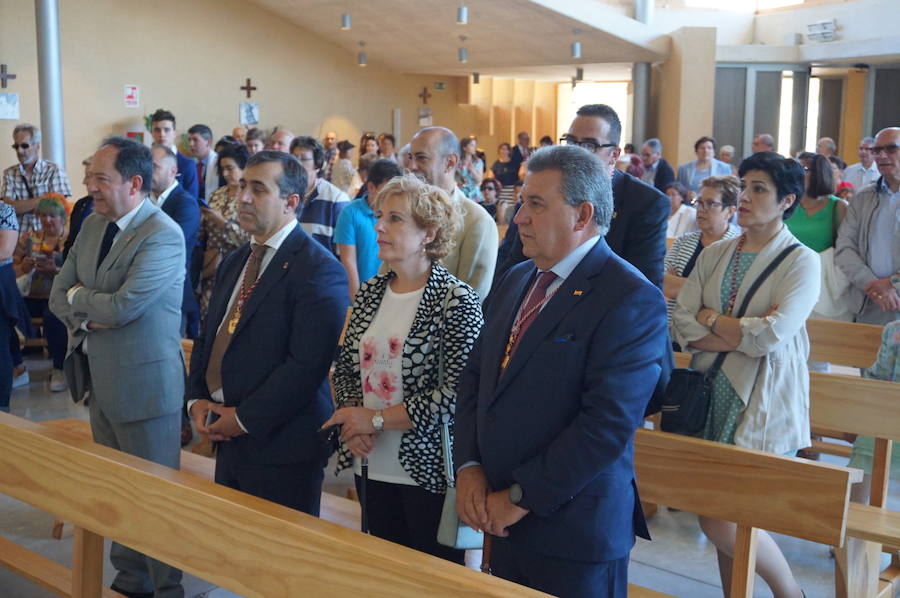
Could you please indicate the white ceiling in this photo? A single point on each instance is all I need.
(506, 38)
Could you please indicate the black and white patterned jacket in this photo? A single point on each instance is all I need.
(428, 404)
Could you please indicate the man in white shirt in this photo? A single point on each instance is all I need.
(865, 172)
(200, 138)
(435, 154)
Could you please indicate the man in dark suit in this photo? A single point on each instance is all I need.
(162, 128)
(573, 345)
(521, 150)
(261, 363)
(637, 232)
(181, 207)
(657, 171)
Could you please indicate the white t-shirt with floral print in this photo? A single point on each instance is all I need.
(381, 369)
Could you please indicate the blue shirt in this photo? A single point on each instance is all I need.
(356, 226)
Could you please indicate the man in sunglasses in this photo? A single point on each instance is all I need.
(640, 216)
(868, 244)
(24, 183)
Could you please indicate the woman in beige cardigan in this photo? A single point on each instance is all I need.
(760, 397)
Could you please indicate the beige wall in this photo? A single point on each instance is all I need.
(684, 92)
(305, 82)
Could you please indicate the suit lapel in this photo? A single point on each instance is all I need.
(224, 288)
(507, 309)
(573, 290)
(125, 237)
(274, 272)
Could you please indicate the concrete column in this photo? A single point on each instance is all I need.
(50, 81)
(799, 105)
(643, 11)
(640, 88)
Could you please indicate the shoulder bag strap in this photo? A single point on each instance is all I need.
(750, 292)
(445, 428)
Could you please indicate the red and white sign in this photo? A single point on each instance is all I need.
(132, 96)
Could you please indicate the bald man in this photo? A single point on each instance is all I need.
(329, 142)
(280, 141)
(763, 143)
(434, 155)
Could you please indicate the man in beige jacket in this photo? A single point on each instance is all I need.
(435, 153)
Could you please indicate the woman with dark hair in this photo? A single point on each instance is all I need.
(506, 172)
(220, 231)
(760, 391)
(691, 174)
(715, 207)
(682, 217)
(343, 174)
(818, 216)
(255, 140)
(470, 169)
(368, 145)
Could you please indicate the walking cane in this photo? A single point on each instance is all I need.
(486, 554)
(364, 508)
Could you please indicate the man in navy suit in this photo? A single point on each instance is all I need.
(260, 365)
(162, 128)
(181, 207)
(573, 345)
(640, 215)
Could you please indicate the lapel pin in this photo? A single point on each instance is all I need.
(284, 266)
(578, 293)
(615, 214)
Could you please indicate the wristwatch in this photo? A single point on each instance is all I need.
(378, 421)
(711, 320)
(516, 494)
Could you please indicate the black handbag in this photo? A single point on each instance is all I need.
(686, 402)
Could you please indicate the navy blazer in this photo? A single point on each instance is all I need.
(187, 174)
(561, 420)
(637, 231)
(665, 174)
(275, 368)
(182, 207)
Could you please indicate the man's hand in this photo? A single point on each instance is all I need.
(226, 427)
(471, 496)
(199, 411)
(882, 292)
(502, 513)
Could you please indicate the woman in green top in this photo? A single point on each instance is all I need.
(816, 220)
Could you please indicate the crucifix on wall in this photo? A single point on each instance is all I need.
(5, 75)
(248, 88)
(424, 95)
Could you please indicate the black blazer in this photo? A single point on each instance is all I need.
(637, 231)
(182, 207)
(664, 175)
(561, 419)
(187, 174)
(274, 371)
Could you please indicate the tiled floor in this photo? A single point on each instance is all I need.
(678, 561)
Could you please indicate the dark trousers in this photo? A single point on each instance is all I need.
(407, 515)
(559, 577)
(6, 362)
(54, 330)
(293, 485)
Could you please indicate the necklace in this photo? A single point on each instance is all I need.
(520, 318)
(736, 260)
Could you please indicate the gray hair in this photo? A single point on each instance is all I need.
(448, 142)
(654, 144)
(868, 140)
(584, 179)
(32, 130)
(727, 149)
(767, 139)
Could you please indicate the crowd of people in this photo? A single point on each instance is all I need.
(537, 356)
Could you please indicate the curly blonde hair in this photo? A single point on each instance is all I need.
(431, 209)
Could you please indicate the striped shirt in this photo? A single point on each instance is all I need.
(318, 214)
(46, 178)
(679, 255)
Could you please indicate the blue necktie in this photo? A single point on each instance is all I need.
(111, 229)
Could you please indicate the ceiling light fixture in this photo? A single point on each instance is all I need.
(462, 14)
(576, 45)
(463, 53)
(579, 74)
(476, 78)
(346, 22)
(361, 55)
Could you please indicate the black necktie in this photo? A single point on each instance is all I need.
(110, 234)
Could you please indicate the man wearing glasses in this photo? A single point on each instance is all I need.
(868, 245)
(319, 209)
(24, 183)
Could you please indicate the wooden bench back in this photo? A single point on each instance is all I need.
(239, 542)
(796, 497)
(843, 343)
(855, 405)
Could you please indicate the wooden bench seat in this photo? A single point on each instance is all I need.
(874, 524)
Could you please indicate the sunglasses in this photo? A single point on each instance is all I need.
(24, 146)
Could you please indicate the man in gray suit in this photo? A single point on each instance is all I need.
(119, 293)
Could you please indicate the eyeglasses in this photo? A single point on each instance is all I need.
(888, 149)
(24, 146)
(707, 206)
(591, 145)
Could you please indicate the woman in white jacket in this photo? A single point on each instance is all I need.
(760, 396)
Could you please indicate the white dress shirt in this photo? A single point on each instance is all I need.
(161, 198)
(859, 176)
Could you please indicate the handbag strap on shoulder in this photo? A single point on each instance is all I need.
(712, 371)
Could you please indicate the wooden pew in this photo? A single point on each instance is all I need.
(239, 542)
(843, 343)
(754, 489)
